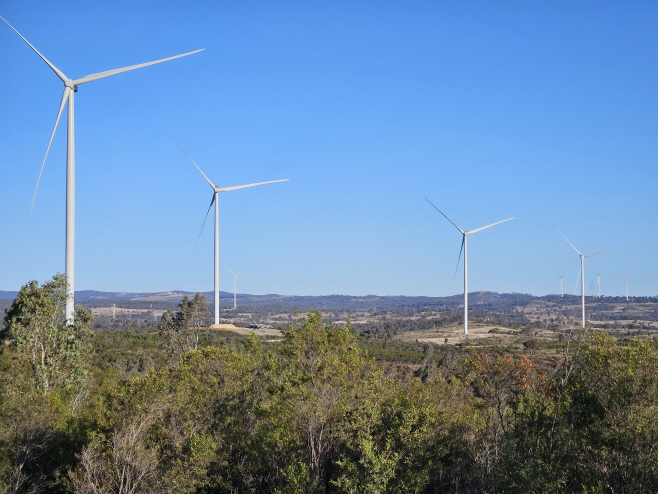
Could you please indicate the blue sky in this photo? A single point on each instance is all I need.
(545, 111)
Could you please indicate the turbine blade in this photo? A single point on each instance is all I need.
(226, 189)
(240, 274)
(577, 280)
(59, 73)
(460, 253)
(445, 216)
(108, 73)
(590, 255)
(488, 226)
(65, 97)
(204, 175)
(204, 220)
(565, 238)
(227, 266)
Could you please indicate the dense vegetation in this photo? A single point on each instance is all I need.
(322, 410)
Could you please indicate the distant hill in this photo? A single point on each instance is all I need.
(293, 302)
(174, 295)
(486, 301)
(87, 295)
(169, 299)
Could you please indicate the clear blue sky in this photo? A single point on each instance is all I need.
(546, 111)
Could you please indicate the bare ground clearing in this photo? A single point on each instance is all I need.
(247, 331)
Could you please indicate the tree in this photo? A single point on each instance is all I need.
(325, 370)
(123, 463)
(180, 330)
(35, 326)
(531, 346)
(615, 398)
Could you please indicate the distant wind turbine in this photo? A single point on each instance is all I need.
(216, 191)
(582, 270)
(235, 285)
(71, 87)
(599, 278)
(627, 284)
(465, 248)
(562, 285)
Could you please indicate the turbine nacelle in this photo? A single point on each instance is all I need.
(466, 232)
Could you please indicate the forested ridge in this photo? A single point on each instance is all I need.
(319, 410)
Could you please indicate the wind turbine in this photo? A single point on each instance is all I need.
(71, 87)
(235, 290)
(582, 271)
(599, 278)
(465, 247)
(562, 285)
(216, 191)
(626, 284)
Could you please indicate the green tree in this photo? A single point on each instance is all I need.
(614, 410)
(35, 326)
(181, 330)
(178, 430)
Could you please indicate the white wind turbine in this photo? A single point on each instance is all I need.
(582, 271)
(71, 87)
(235, 286)
(599, 278)
(216, 191)
(465, 247)
(562, 285)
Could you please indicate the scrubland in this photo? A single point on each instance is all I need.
(332, 407)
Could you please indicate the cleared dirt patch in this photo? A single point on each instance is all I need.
(454, 334)
(236, 329)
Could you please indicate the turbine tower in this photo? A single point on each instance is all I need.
(465, 247)
(582, 271)
(71, 87)
(216, 191)
(562, 285)
(235, 285)
(599, 278)
(626, 284)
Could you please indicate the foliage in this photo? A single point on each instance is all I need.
(181, 330)
(615, 405)
(316, 413)
(35, 326)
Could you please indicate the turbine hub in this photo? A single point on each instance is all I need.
(69, 84)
